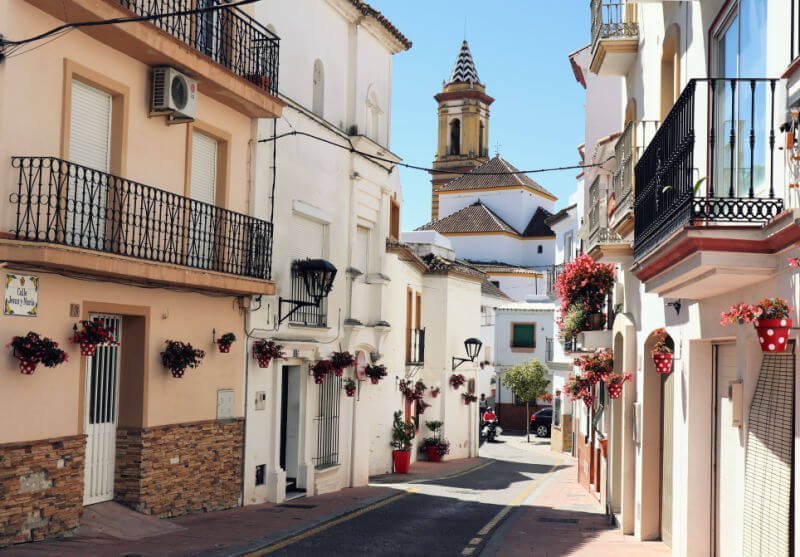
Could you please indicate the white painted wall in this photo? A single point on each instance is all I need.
(516, 206)
(504, 248)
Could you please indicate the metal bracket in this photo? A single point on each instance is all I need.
(295, 305)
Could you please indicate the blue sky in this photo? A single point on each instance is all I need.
(520, 49)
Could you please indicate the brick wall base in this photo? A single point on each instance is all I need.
(180, 469)
(41, 488)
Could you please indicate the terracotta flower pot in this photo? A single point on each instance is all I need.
(402, 461)
(663, 362)
(434, 394)
(433, 456)
(773, 334)
(604, 447)
(350, 392)
(224, 348)
(263, 362)
(88, 349)
(27, 367)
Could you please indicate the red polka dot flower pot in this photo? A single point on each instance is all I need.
(773, 334)
(663, 362)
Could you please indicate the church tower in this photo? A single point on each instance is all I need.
(463, 124)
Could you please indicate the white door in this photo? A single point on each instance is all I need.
(728, 470)
(101, 405)
(203, 216)
(90, 147)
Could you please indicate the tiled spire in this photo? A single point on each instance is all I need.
(464, 70)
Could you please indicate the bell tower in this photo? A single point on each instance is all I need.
(463, 141)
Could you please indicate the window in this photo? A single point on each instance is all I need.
(481, 140)
(318, 100)
(523, 335)
(330, 396)
(314, 235)
(496, 283)
(455, 137)
(361, 254)
(202, 188)
(539, 249)
(568, 247)
(394, 219)
(374, 114)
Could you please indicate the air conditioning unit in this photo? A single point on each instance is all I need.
(173, 93)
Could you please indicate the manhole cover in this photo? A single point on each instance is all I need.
(296, 506)
(558, 520)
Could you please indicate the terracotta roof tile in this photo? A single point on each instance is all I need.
(495, 173)
(368, 10)
(474, 218)
(488, 288)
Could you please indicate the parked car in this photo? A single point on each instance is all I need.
(541, 421)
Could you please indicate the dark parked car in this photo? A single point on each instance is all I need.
(541, 421)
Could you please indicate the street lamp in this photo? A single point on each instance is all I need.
(473, 347)
(317, 276)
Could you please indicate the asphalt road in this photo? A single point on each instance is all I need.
(455, 516)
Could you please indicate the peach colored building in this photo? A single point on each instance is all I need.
(129, 210)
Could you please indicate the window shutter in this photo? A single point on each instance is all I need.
(204, 169)
(310, 235)
(523, 336)
(90, 127)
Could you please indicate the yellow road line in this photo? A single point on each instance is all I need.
(508, 508)
(322, 527)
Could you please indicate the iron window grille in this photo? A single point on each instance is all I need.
(228, 36)
(328, 423)
(738, 189)
(60, 202)
(307, 316)
(416, 354)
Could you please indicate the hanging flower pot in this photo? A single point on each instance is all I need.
(320, 370)
(375, 373)
(614, 384)
(91, 334)
(468, 398)
(456, 380)
(178, 356)
(662, 351)
(32, 349)
(264, 351)
(340, 361)
(225, 342)
(350, 387)
(435, 392)
(773, 334)
(663, 362)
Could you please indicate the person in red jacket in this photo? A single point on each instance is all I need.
(489, 415)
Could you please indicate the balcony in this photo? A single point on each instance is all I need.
(628, 149)
(232, 56)
(690, 234)
(603, 243)
(615, 36)
(552, 274)
(415, 347)
(67, 213)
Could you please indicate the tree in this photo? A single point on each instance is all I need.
(528, 382)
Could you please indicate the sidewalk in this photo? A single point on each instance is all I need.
(243, 529)
(560, 518)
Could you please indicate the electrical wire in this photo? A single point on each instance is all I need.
(427, 169)
(114, 21)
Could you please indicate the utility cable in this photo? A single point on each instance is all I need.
(79, 24)
(426, 169)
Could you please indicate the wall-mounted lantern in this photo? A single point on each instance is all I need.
(317, 276)
(473, 348)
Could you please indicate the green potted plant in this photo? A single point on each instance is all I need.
(661, 352)
(375, 373)
(402, 437)
(225, 341)
(33, 349)
(91, 334)
(435, 446)
(264, 351)
(177, 356)
(350, 387)
(770, 318)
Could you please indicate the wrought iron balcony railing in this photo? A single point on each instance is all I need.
(60, 202)
(613, 19)
(726, 127)
(228, 36)
(415, 354)
(552, 274)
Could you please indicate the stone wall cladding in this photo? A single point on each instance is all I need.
(180, 469)
(41, 488)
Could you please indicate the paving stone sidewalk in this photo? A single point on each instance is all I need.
(237, 531)
(561, 518)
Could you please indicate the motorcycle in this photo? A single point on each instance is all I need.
(491, 430)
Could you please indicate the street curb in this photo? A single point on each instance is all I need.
(481, 463)
(263, 545)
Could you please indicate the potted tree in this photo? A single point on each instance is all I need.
(177, 356)
(435, 446)
(402, 437)
(91, 334)
(33, 349)
(225, 341)
(661, 352)
(528, 382)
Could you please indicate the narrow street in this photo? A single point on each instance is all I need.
(443, 517)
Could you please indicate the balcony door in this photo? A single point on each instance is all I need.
(741, 46)
(86, 190)
(203, 215)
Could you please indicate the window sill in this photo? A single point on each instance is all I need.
(314, 327)
(327, 470)
(522, 349)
